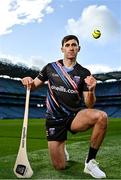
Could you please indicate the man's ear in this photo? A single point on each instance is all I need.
(79, 48)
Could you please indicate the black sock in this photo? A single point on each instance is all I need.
(92, 154)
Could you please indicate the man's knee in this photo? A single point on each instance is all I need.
(103, 119)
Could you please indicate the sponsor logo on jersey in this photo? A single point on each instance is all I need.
(63, 89)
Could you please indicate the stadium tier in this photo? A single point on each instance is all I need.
(12, 99)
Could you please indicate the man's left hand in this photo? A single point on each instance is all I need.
(91, 82)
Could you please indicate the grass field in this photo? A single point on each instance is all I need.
(109, 155)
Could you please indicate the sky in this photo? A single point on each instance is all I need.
(31, 32)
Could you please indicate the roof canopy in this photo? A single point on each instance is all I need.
(108, 76)
(16, 70)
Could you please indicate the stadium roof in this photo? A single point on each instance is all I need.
(20, 71)
(16, 70)
(115, 75)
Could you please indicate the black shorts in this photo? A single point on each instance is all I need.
(56, 130)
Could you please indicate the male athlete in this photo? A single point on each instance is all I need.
(68, 84)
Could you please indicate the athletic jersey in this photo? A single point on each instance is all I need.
(65, 88)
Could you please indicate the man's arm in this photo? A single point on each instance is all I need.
(32, 83)
(89, 96)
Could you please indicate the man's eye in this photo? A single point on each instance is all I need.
(74, 45)
(67, 45)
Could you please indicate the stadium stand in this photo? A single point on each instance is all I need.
(12, 93)
(12, 100)
(109, 98)
(109, 93)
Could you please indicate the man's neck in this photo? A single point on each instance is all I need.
(69, 63)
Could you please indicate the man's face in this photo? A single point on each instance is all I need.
(70, 49)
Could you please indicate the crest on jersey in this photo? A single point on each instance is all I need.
(76, 79)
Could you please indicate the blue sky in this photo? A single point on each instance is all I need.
(31, 31)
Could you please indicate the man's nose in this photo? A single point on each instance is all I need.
(71, 47)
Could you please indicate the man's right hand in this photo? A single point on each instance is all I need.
(27, 82)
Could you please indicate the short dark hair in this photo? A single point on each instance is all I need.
(69, 37)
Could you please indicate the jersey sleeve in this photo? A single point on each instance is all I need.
(87, 73)
(43, 74)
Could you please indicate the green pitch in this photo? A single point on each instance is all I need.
(109, 155)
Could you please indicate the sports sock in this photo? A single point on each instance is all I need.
(92, 154)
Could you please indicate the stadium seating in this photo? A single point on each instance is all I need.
(109, 98)
(12, 99)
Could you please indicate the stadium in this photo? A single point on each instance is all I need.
(12, 104)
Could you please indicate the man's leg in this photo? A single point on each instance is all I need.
(57, 154)
(84, 120)
(91, 118)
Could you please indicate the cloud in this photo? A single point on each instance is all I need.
(21, 12)
(34, 61)
(14, 59)
(99, 68)
(95, 17)
(49, 10)
(37, 61)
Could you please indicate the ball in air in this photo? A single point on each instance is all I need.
(96, 34)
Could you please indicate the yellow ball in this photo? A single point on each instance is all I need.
(96, 33)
